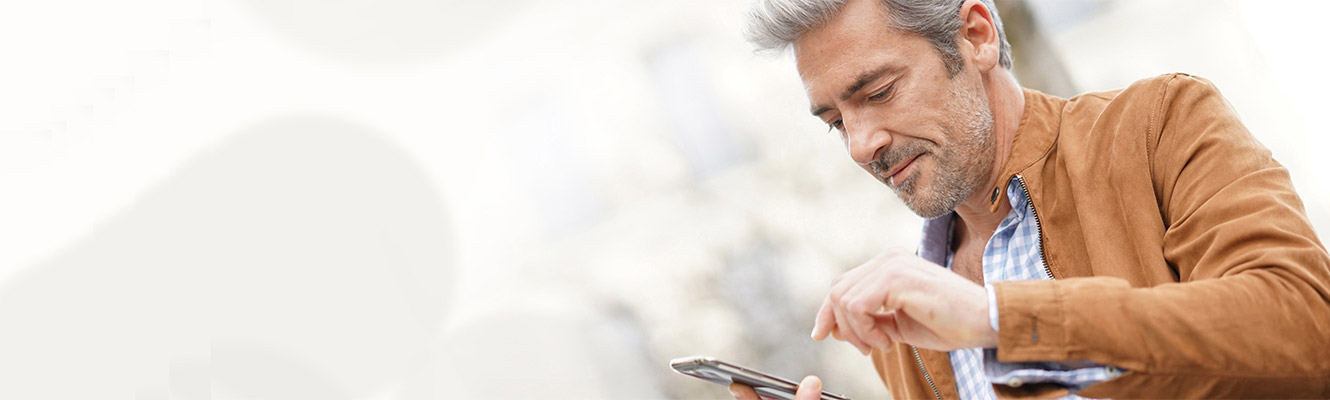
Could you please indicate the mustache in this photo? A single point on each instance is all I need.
(896, 155)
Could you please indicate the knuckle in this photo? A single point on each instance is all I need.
(891, 276)
(836, 294)
(840, 280)
(859, 306)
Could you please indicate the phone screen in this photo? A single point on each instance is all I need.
(724, 373)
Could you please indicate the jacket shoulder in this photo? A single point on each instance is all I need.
(1145, 106)
(1154, 92)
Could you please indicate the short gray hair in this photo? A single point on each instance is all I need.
(774, 24)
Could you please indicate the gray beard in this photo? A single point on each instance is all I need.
(959, 168)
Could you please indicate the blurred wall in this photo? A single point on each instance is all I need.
(411, 199)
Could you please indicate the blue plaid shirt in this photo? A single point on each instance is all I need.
(1013, 253)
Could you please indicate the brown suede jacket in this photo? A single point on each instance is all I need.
(1179, 251)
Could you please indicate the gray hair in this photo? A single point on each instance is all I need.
(774, 24)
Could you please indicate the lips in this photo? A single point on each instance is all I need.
(891, 174)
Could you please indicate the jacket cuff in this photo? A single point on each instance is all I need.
(1032, 327)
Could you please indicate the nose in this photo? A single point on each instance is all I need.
(865, 141)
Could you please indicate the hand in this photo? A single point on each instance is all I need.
(899, 297)
(809, 389)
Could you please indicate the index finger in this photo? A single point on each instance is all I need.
(825, 322)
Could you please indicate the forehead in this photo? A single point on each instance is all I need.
(855, 40)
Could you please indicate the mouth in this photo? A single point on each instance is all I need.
(898, 169)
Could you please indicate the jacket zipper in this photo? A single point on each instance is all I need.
(927, 377)
(1037, 226)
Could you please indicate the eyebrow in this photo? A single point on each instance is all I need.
(863, 80)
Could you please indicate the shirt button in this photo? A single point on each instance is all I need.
(1014, 382)
(993, 199)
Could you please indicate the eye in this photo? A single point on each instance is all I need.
(838, 124)
(883, 94)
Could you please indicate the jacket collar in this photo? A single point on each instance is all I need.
(1038, 131)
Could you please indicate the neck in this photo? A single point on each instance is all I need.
(1007, 100)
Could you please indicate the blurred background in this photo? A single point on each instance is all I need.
(416, 199)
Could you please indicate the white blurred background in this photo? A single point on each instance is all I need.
(415, 199)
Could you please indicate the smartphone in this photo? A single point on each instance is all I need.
(724, 373)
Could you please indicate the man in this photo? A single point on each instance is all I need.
(1135, 243)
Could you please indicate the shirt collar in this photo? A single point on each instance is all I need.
(936, 240)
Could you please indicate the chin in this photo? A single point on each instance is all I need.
(927, 204)
(928, 213)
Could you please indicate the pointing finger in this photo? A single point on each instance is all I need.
(825, 322)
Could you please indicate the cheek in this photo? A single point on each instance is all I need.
(913, 121)
(925, 167)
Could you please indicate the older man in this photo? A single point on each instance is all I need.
(1133, 243)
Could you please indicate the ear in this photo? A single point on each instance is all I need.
(980, 35)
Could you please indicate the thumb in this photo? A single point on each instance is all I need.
(809, 389)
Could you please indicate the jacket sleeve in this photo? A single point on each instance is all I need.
(1250, 313)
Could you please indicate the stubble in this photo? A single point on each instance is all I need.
(959, 167)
